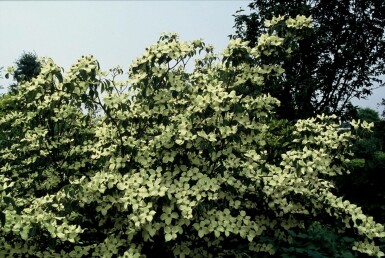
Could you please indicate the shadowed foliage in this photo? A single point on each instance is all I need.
(340, 58)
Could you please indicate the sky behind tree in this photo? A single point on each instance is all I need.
(115, 32)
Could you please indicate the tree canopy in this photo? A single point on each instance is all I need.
(341, 57)
(27, 67)
(170, 162)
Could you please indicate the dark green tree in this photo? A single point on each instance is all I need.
(370, 142)
(364, 186)
(339, 59)
(27, 67)
(368, 114)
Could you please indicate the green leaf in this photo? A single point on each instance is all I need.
(168, 237)
(24, 234)
(8, 200)
(201, 233)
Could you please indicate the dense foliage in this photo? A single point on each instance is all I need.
(339, 59)
(180, 163)
(27, 67)
(364, 186)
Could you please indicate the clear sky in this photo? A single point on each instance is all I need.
(115, 32)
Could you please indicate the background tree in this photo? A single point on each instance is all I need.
(364, 186)
(340, 58)
(27, 67)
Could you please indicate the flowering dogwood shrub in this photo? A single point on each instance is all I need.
(169, 162)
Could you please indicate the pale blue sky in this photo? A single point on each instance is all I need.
(115, 32)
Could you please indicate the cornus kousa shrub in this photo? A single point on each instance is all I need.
(170, 163)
